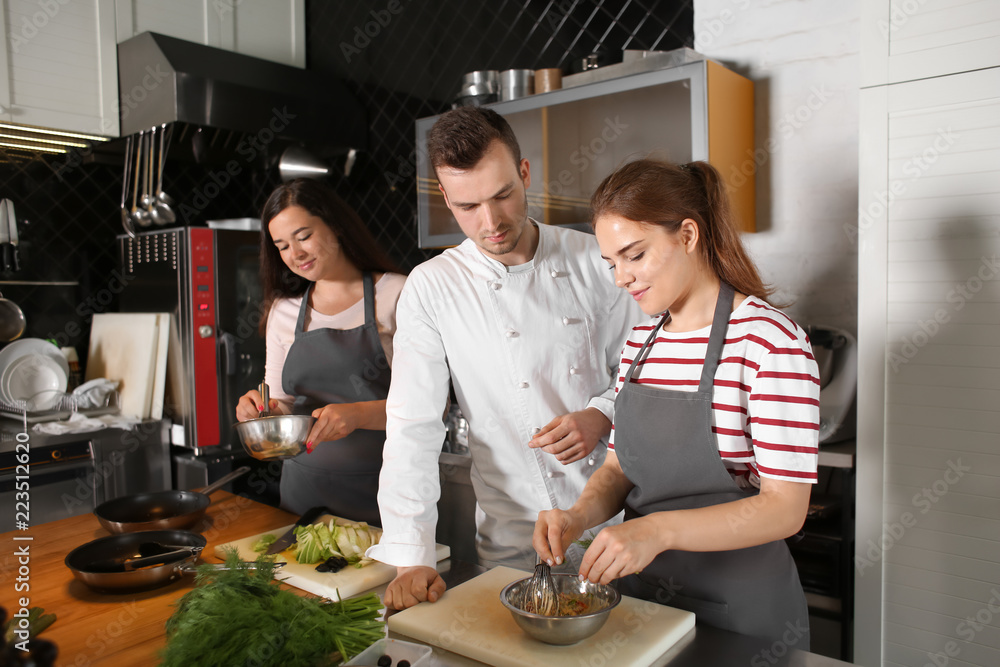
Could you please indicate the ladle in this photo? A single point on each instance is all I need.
(12, 321)
(140, 216)
(126, 216)
(148, 197)
(163, 214)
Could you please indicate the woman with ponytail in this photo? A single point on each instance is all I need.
(715, 440)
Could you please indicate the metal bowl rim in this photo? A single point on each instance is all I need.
(616, 599)
(269, 417)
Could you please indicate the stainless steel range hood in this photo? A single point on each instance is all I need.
(163, 79)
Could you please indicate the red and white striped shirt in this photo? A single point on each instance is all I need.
(765, 405)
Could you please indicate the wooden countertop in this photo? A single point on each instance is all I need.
(98, 628)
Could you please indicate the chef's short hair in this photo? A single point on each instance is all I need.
(461, 137)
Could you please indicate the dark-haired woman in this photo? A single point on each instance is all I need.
(714, 445)
(330, 301)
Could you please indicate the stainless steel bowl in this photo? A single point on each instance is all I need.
(563, 630)
(275, 437)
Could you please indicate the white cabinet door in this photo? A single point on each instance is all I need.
(917, 39)
(271, 29)
(59, 65)
(929, 390)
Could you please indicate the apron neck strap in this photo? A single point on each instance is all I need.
(369, 285)
(369, 297)
(645, 346)
(720, 322)
(300, 323)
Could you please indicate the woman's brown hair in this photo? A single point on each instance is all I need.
(661, 193)
(356, 242)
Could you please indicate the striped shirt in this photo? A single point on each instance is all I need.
(765, 404)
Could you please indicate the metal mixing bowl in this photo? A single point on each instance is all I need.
(563, 629)
(275, 437)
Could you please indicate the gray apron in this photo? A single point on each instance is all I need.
(327, 366)
(664, 441)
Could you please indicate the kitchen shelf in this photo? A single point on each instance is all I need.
(576, 136)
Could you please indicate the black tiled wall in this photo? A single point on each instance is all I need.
(403, 59)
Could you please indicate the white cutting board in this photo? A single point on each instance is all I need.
(470, 620)
(123, 347)
(348, 582)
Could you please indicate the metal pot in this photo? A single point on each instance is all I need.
(159, 510)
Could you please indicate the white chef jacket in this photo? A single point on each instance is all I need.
(522, 345)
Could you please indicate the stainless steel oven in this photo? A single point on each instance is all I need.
(209, 280)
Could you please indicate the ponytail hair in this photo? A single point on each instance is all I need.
(656, 192)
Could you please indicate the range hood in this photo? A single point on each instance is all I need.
(163, 79)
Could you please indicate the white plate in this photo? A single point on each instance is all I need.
(29, 376)
(13, 351)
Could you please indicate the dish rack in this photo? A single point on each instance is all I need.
(67, 405)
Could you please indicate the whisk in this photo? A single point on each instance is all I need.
(540, 596)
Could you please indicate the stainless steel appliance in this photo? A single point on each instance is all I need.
(208, 279)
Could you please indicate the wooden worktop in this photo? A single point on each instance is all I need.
(98, 628)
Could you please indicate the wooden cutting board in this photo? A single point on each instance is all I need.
(348, 582)
(123, 347)
(470, 620)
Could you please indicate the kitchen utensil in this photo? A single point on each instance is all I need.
(100, 564)
(552, 628)
(539, 595)
(481, 82)
(12, 322)
(126, 176)
(130, 563)
(6, 260)
(515, 83)
(148, 196)
(639, 632)
(140, 216)
(288, 538)
(31, 374)
(162, 212)
(548, 79)
(159, 510)
(15, 259)
(343, 584)
(297, 162)
(275, 437)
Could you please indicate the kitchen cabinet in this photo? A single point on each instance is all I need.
(59, 65)
(916, 39)
(268, 29)
(576, 136)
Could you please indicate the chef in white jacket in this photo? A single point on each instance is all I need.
(525, 321)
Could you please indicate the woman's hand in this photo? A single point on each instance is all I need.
(333, 422)
(251, 405)
(554, 531)
(621, 550)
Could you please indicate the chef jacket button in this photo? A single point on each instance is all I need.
(554, 274)
(523, 385)
(566, 320)
(495, 285)
(590, 461)
(512, 334)
(535, 431)
(550, 474)
(572, 370)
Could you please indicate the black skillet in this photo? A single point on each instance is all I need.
(159, 510)
(101, 564)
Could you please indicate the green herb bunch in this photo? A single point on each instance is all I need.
(241, 616)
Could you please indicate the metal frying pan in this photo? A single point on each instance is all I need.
(159, 510)
(89, 562)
